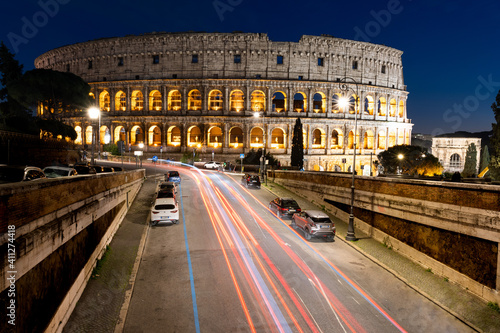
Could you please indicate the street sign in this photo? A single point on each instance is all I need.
(242, 155)
(154, 158)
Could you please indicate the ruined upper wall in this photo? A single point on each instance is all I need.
(170, 55)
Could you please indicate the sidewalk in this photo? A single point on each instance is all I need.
(465, 306)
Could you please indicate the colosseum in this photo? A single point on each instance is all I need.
(228, 93)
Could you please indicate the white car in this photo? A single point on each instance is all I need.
(59, 171)
(165, 210)
(212, 165)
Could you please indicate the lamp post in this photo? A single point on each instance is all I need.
(263, 158)
(344, 102)
(94, 113)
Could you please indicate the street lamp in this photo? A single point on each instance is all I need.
(344, 103)
(94, 113)
(263, 158)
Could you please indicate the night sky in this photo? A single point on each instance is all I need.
(451, 48)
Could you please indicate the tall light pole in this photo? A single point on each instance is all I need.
(263, 158)
(94, 113)
(344, 102)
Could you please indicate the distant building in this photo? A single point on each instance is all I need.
(451, 152)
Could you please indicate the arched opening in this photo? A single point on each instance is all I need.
(256, 137)
(236, 100)
(120, 134)
(299, 102)
(154, 136)
(279, 102)
(137, 103)
(88, 135)
(382, 106)
(136, 135)
(369, 105)
(401, 109)
(258, 101)
(368, 140)
(401, 137)
(407, 138)
(120, 101)
(78, 131)
(215, 138)
(277, 138)
(104, 135)
(319, 102)
(318, 139)
(174, 136)
(155, 102)
(350, 140)
(215, 100)
(194, 136)
(455, 162)
(104, 101)
(235, 137)
(336, 103)
(381, 140)
(392, 139)
(174, 100)
(194, 100)
(392, 108)
(337, 139)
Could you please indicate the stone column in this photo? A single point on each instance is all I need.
(227, 101)
(247, 98)
(146, 99)
(184, 97)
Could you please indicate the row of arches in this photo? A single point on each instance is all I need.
(276, 138)
(258, 102)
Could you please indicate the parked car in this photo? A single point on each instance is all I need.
(103, 168)
(164, 210)
(173, 176)
(212, 165)
(315, 223)
(83, 169)
(59, 171)
(250, 181)
(284, 206)
(19, 173)
(165, 193)
(167, 185)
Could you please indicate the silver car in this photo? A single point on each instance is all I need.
(315, 223)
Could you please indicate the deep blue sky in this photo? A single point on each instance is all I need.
(451, 48)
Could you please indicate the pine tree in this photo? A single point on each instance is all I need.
(297, 157)
(494, 165)
(470, 162)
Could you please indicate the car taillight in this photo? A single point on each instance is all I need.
(173, 211)
(285, 209)
(154, 212)
(299, 210)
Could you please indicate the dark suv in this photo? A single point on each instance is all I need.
(250, 181)
(18, 173)
(284, 206)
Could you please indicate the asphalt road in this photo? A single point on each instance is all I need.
(231, 265)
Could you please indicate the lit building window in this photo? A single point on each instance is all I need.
(258, 101)
(174, 100)
(120, 101)
(155, 100)
(137, 101)
(215, 100)
(194, 100)
(104, 101)
(236, 100)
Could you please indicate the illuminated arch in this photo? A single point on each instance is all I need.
(381, 140)
(279, 102)
(407, 138)
(120, 134)
(174, 136)
(278, 138)
(236, 137)
(155, 102)
(215, 100)
(88, 135)
(195, 137)
(337, 139)
(215, 138)
(256, 137)
(392, 138)
(401, 137)
(154, 136)
(104, 135)
(318, 138)
(335, 103)
(258, 101)
(174, 100)
(368, 140)
(382, 106)
(300, 102)
(401, 109)
(194, 100)
(120, 101)
(319, 102)
(78, 139)
(236, 100)
(392, 108)
(136, 135)
(137, 102)
(104, 101)
(369, 105)
(350, 141)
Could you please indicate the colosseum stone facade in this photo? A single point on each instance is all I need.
(176, 92)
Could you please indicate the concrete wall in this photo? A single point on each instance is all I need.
(453, 228)
(61, 227)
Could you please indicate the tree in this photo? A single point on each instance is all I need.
(411, 160)
(297, 157)
(56, 91)
(485, 160)
(470, 162)
(494, 165)
(253, 158)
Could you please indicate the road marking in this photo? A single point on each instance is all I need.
(191, 277)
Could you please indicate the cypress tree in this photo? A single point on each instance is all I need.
(297, 157)
(495, 140)
(470, 161)
(485, 159)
